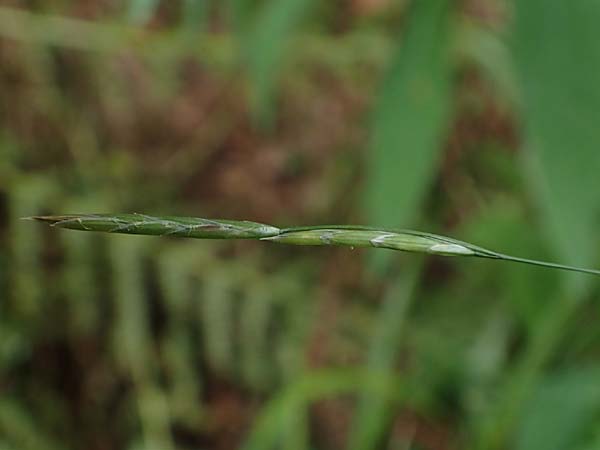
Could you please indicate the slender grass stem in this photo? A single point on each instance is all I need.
(342, 235)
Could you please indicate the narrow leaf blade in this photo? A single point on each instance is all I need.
(411, 117)
(275, 25)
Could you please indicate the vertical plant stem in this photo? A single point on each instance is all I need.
(373, 411)
(133, 343)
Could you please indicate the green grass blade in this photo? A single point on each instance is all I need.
(141, 11)
(311, 387)
(411, 116)
(274, 26)
(132, 340)
(342, 235)
(374, 410)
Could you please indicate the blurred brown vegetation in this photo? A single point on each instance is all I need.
(111, 342)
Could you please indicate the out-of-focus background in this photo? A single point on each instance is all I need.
(478, 119)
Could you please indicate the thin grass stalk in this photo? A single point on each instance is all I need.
(341, 235)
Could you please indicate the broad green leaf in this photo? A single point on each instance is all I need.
(562, 411)
(411, 117)
(557, 52)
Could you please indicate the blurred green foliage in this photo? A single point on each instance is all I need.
(474, 119)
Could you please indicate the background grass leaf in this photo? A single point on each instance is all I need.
(141, 11)
(560, 107)
(564, 407)
(274, 25)
(411, 117)
(374, 411)
(195, 14)
(126, 342)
